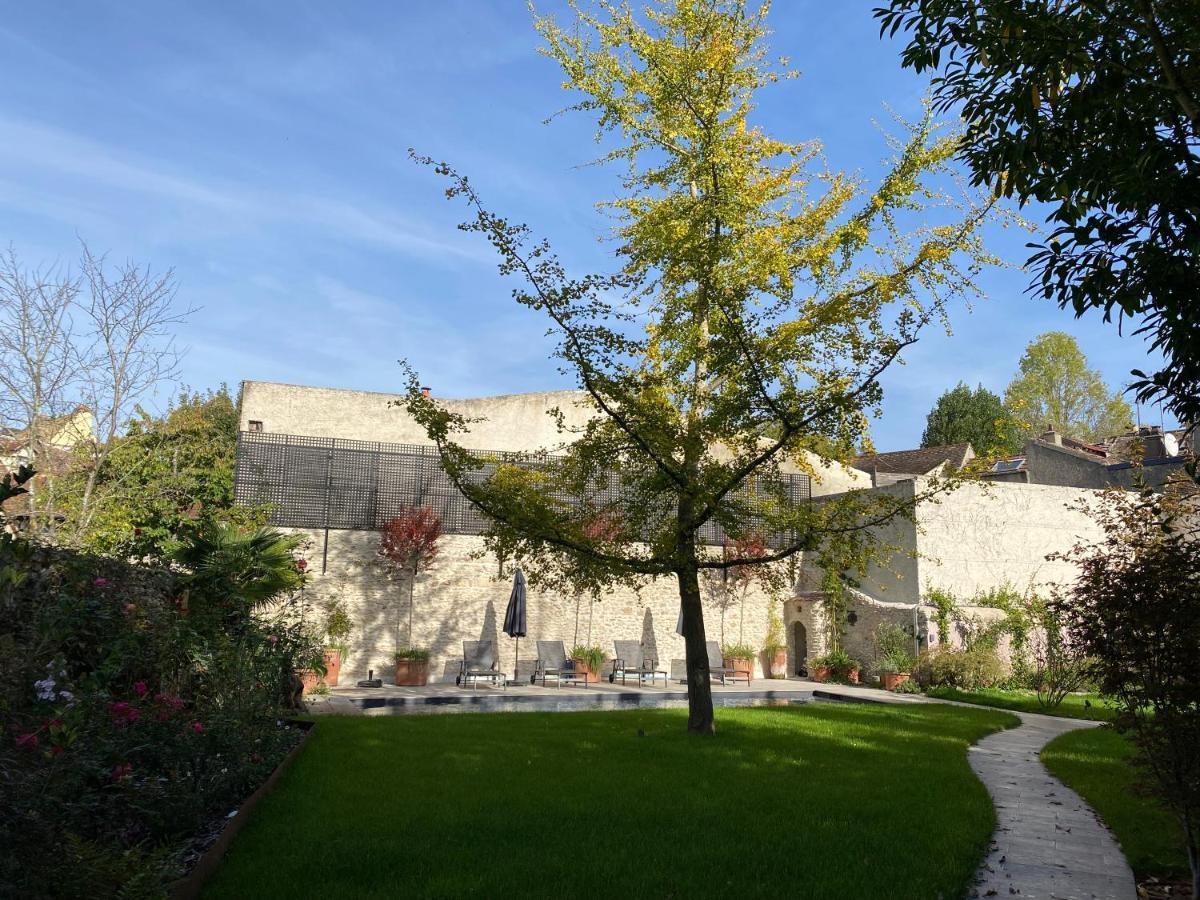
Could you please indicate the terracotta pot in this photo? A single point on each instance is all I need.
(740, 664)
(309, 678)
(893, 680)
(581, 667)
(777, 664)
(412, 672)
(333, 665)
(821, 673)
(852, 676)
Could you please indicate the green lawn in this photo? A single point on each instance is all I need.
(824, 800)
(1095, 762)
(1074, 706)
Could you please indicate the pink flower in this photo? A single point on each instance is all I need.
(120, 772)
(130, 608)
(100, 582)
(124, 713)
(140, 688)
(273, 638)
(302, 564)
(56, 750)
(197, 727)
(28, 741)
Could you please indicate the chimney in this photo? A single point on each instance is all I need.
(1052, 437)
(424, 392)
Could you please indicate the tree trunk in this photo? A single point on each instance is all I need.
(1193, 854)
(699, 681)
(412, 583)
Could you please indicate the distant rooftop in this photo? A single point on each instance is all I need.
(915, 462)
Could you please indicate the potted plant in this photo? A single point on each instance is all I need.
(894, 670)
(588, 660)
(774, 649)
(408, 546)
(412, 666)
(312, 671)
(338, 626)
(739, 657)
(836, 665)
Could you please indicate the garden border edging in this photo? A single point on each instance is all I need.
(190, 885)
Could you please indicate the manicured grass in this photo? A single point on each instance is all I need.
(1095, 762)
(824, 800)
(1074, 706)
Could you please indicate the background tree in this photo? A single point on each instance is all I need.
(164, 475)
(1136, 609)
(757, 300)
(962, 415)
(1054, 388)
(100, 338)
(1093, 108)
(409, 543)
(38, 366)
(130, 314)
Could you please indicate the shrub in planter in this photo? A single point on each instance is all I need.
(338, 626)
(588, 659)
(774, 648)
(894, 669)
(412, 666)
(739, 657)
(837, 665)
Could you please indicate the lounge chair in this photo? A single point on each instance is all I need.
(479, 661)
(716, 665)
(552, 663)
(630, 660)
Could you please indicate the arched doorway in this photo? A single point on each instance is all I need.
(799, 649)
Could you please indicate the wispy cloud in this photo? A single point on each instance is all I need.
(221, 203)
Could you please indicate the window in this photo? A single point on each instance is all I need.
(255, 425)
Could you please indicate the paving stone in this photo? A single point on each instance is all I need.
(1043, 860)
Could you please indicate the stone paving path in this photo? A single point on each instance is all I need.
(1048, 842)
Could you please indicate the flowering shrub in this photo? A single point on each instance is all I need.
(128, 725)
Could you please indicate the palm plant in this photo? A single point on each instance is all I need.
(253, 566)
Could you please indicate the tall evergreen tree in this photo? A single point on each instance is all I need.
(978, 417)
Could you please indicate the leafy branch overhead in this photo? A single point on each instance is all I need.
(1094, 109)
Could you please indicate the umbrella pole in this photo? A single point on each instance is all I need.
(516, 660)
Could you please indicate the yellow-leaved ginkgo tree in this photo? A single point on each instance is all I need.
(756, 300)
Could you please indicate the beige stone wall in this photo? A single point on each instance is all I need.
(809, 609)
(517, 422)
(510, 422)
(981, 536)
(462, 598)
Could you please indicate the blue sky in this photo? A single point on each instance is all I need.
(259, 148)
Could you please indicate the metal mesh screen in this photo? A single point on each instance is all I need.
(313, 482)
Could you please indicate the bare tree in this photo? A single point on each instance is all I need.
(38, 365)
(100, 339)
(130, 314)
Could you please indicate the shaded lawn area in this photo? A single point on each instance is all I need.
(1074, 706)
(1096, 764)
(823, 800)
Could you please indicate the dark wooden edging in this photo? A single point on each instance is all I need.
(190, 885)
